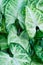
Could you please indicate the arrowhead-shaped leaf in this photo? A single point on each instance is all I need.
(13, 38)
(33, 19)
(15, 10)
(20, 56)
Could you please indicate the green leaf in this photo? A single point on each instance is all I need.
(2, 5)
(0, 19)
(19, 38)
(33, 19)
(20, 56)
(3, 43)
(35, 63)
(17, 8)
(40, 5)
(39, 50)
(21, 16)
(4, 2)
(39, 34)
(13, 38)
(29, 22)
(24, 35)
(4, 59)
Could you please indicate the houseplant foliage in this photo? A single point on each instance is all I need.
(21, 32)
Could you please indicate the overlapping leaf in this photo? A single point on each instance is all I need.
(20, 56)
(13, 38)
(21, 46)
(4, 59)
(39, 49)
(15, 9)
(33, 19)
(24, 35)
(2, 5)
(40, 5)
